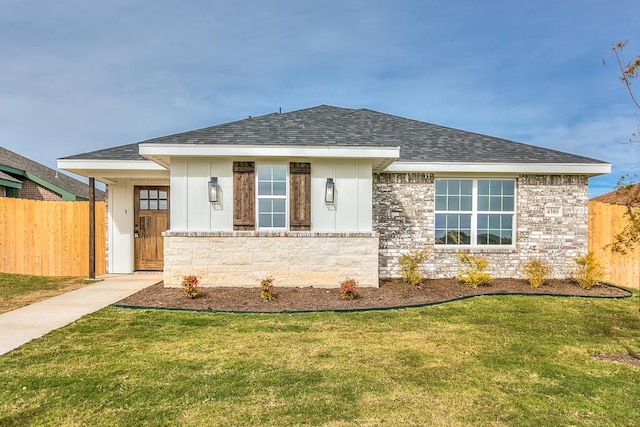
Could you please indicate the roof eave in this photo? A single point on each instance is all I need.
(106, 170)
(10, 183)
(381, 157)
(588, 169)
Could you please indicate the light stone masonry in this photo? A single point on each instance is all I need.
(403, 216)
(293, 259)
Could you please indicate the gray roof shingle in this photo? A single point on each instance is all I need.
(334, 126)
(65, 182)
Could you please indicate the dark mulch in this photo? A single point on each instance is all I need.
(629, 359)
(391, 293)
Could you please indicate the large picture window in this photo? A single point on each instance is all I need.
(272, 196)
(474, 211)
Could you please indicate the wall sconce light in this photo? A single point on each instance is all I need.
(214, 190)
(329, 192)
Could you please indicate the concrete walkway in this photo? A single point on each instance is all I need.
(19, 326)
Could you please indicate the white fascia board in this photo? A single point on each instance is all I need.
(106, 170)
(590, 169)
(90, 165)
(155, 150)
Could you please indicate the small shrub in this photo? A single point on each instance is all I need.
(267, 289)
(349, 289)
(410, 266)
(191, 286)
(471, 272)
(536, 271)
(589, 271)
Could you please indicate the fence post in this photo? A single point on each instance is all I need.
(92, 228)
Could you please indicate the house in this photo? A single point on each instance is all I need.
(24, 178)
(316, 195)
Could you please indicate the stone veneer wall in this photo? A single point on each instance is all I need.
(292, 259)
(403, 216)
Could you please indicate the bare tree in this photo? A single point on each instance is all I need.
(627, 74)
(629, 237)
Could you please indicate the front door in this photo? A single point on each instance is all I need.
(151, 219)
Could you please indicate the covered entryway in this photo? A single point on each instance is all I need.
(151, 219)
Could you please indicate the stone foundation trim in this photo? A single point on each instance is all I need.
(294, 234)
(293, 259)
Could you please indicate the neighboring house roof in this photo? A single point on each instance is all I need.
(7, 177)
(327, 126)
(13, 165)
(628, 194)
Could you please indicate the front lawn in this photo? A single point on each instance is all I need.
(17, 290)
(486, 361)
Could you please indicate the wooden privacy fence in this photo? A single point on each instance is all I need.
(45, 238)
(605, 221)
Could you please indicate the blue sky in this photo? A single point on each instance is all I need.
(77, 76)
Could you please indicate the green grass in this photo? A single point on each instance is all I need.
(17, 290)
(487, 361)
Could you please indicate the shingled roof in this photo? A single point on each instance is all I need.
(625, 195)
(14, 165)
(328, 126)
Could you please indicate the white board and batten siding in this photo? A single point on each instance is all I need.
(190, 206)
(192, 211)
(352, 209)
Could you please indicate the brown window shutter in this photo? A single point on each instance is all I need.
(244, 196)
(300, 197)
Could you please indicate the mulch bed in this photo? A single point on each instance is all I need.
(391, 293)
(629, 359)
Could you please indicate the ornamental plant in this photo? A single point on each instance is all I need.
(471, 271)
(349, 289)
(537, 272)
(267, 289)
(191, 286)
(410, 266)
(589, 271)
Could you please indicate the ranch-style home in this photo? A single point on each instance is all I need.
(313, 196)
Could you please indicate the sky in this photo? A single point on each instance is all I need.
(78, 76)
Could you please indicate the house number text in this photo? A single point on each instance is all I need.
(552, 211)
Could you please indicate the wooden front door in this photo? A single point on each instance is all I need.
(151, 219)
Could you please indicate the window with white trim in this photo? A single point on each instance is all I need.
(475, 212)
(272, 197)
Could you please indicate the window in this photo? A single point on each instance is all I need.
(272, 196)
(275, 193)
(153, 199)
(474, 211)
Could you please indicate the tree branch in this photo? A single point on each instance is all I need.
(629, 72)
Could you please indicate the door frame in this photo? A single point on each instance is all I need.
(136, 215)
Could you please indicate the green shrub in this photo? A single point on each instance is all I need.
(349, 289)
(536, 271)
(410, 266)
(191, 286)
(589, 271)
(267, 289)
(471, 272)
